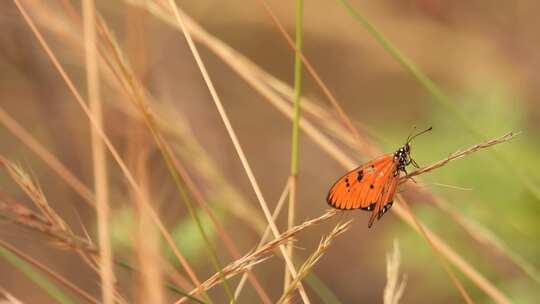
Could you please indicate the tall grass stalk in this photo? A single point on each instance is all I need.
(118, 65)
(73, 181)
(48, 158)
(361, 141)
(101, 132)
(147, 241)
(234, 138)
(106, 269)
(295, 155)
(261, 253)
(137, 96)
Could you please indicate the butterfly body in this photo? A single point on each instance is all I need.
(372, 186)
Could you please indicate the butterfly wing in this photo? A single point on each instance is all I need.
(386, 198)
(364, 186)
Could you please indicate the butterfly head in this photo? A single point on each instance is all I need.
(403, 155)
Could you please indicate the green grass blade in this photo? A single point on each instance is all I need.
(295, 127)
(297, 87)
(35, 276)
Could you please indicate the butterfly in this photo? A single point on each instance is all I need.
(372, 186)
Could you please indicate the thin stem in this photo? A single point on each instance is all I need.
(34, 275)
(361, 142)
(459, 154)
(181, 180)
(78, 97)
(57, 277)
(297, 87)
(48, 158)
(234, 138)
(106, 269)
(262, 252)
(266, 232)
(295, 128)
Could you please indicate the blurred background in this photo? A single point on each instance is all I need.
(482, 55)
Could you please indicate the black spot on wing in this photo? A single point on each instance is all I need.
(360, 175)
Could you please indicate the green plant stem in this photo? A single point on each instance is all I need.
(297, 87)
(437, 93)
(296, 125)
(35, 276)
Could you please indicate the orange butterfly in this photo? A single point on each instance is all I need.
(372, 186)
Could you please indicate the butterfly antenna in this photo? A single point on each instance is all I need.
(410, 138)
(411, 133)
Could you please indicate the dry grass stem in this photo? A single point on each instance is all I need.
(103, 136)
(146, 237)
(314, 258)
(26, 218)
(260, 254)
(34, 192)
(238, 147)
(52, 161)
(49, 222)
(249, 72)
(459, 154)
(129, 84)
(106, 269)
(362, 142)
(393, 291)
(266, 234)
